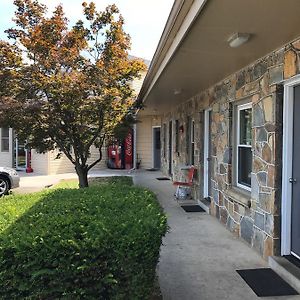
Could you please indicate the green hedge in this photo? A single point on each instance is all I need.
(97, 243)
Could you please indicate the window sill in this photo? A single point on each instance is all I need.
(239, 195)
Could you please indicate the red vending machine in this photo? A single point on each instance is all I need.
(129, 150)
(120, 153)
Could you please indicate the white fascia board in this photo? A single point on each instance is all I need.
(195, 9)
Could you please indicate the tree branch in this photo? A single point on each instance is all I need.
(96, 161)
(89, 144)
(62, 147)
(100, 154)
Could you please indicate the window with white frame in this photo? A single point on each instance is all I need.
(4, 139)
(244, 146)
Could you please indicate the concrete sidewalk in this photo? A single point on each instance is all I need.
(199, 256)
(33, 182)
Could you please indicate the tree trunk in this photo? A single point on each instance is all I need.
(82, 173)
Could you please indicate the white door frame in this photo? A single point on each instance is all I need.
(287, 163)
(153, 143)
(206, 152)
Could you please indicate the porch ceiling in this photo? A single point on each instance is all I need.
(204, 57)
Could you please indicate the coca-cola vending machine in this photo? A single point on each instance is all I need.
(120, 153)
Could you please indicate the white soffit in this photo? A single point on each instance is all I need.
(199, 55)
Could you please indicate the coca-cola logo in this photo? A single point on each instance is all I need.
(128, 142)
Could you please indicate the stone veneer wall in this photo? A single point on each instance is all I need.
(256, 217)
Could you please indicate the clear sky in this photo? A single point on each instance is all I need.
(144, 19)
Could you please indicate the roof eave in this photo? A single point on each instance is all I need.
(170, 40)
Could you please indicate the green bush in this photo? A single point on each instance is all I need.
(12, 208)
(97, 243)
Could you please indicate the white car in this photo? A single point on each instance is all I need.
(9, 179)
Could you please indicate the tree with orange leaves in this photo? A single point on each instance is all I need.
(66, 87)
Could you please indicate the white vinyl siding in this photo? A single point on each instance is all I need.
(59, 163)
(144, 140)
(39, 162)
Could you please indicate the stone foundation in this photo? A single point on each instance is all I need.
(254, 217)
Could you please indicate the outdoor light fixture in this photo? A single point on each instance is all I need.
(238, 39)
(181, 129)
(177, 91)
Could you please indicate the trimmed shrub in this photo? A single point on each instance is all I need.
(97, 243)
(12, 208)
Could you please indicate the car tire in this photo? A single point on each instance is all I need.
(4, 186)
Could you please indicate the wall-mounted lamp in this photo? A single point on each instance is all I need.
(177, 91)
(181, 129)
(238, 39)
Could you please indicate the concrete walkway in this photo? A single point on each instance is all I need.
(199, 256)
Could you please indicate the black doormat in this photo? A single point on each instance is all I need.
(152, 169)
(265, 282)
(163, 178)
(295, 261)
(192, 208)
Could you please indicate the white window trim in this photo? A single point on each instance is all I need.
(192, 142)
(240, 108)
(287, 163)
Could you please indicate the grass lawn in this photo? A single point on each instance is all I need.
(68, 243)
(95, 181)
(14, 206)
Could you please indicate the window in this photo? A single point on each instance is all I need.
(244, 146)
(4, 139)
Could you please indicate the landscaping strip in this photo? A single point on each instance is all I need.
(100, 242)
